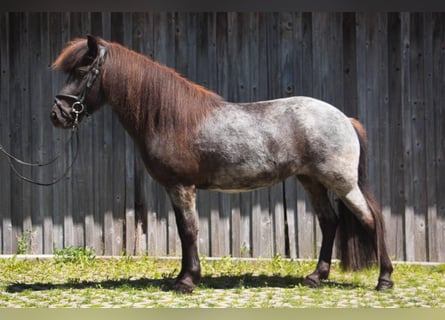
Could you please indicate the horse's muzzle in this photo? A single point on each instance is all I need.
(60, 117)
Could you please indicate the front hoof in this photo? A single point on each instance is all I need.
(384, 285)
(184, 286)
(311, 283)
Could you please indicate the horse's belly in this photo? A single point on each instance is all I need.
(247, 176)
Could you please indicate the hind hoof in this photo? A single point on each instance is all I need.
(311, 283)
(384, 285)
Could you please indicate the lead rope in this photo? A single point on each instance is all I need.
(12, 159)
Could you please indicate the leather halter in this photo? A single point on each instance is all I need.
(78, 108)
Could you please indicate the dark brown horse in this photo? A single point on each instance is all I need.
(191, 138)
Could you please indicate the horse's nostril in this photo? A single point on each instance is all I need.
(53, 115)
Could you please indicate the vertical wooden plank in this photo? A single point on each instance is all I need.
(226, 29)
(430, 138)
(206, 75)
(164, 49)
(155, 195)
(140, 198)
(96, 219)
(350, 65)
(438, 61)
(35, 89)
(305, 220)
(118, 153)
(292, 64)
(46, 198)
(17, 54)
(395, 231)
(27, 137)
(39, 94)
(268, 34)
(129, 183)
(205, 35)
(110, 247)
(213, 82)
(235, 40)
(57, 37)
(226, 202)
(369, 95)
(407, 133)
(417, 68)
(381, 116)
(281, 88)
(82, 170)
(322, 90)
(350, 98)
(5, 134)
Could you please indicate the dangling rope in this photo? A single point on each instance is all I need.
(12, 159)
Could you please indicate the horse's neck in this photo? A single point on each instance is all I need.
(127, 96)
(153, 100)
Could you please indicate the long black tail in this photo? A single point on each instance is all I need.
(357, 247)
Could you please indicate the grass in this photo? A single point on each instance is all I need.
(76, 278)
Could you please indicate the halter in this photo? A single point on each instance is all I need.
(78, 108)
(78, 111)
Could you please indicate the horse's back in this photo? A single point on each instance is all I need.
(251, 145)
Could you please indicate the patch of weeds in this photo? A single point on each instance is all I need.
(440, 268)
(24, 242)
(78, 255)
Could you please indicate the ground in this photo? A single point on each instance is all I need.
(88, 282)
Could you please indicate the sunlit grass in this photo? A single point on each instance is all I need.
(89, 281)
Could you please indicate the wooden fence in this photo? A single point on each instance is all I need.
(387, 69)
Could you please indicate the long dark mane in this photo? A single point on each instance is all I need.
(153, 98)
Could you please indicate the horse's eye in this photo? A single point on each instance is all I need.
(81, 72)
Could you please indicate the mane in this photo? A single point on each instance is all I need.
(149, 97)
(74, 55)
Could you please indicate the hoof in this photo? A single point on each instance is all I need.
(184, 286)
(384, 285)
(311, 283)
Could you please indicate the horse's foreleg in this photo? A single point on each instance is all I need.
(327, 219)
(183, 201)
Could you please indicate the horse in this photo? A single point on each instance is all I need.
(191, 138)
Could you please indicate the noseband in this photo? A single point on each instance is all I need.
(78, 108)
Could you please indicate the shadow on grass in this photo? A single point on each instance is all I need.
(166, 284)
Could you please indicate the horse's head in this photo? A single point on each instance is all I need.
(82, 60)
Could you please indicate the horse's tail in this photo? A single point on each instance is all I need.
(356, 247)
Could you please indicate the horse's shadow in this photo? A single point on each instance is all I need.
(167, 284)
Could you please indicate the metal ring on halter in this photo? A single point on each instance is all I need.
(78, 110)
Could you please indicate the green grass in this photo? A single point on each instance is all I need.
(76, 278)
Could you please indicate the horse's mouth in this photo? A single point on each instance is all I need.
(59, 120)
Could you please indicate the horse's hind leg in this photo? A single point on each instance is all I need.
(366, 210)
(328, 221)
(183, 201)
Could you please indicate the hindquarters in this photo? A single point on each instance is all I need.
(359, 216)
(359, 222)
(361, 232)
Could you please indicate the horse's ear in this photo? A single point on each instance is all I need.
(93, 46)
